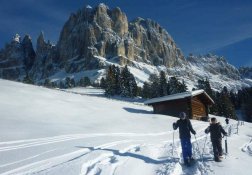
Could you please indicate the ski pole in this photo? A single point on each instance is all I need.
(226, 146)
(173, 143)
(204, 146)
(198, 148)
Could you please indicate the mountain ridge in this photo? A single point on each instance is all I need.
(94, 38)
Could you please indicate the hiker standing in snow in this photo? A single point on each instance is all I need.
(216, 130)
(185, 127)
(227, 121)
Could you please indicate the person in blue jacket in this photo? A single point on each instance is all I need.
(185, 130)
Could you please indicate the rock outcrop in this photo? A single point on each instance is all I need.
(107, 33)
(17, 58)
(215, 65)
(46, 61)
(246, 72)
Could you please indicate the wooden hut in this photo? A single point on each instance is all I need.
(195, 104)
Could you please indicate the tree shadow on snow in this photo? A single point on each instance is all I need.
(138, 111)
(133, 155)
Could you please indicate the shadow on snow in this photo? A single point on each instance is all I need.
(133, 155)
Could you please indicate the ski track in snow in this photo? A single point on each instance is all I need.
(108, 160)
(44, 141)
(55, 161)
(248, 147)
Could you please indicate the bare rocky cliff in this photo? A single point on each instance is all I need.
(107, 33)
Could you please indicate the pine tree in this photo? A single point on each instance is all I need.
(128, 83)
(175, 86)
(133, 86)
(69, 82)
(154, 85)
(245, 96)
(110, 89)
(117, 74)
(73, 84)
(226, 107)
(146, 92)
(163, 85)
(84, 81)
(62, 85)
(205, 85)
(28, 80)
(103, 83)
(48, 83)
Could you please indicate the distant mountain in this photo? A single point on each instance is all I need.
(94, 38)
(239, 53)
(246, 72)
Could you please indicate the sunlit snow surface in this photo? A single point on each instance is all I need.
(80, 131)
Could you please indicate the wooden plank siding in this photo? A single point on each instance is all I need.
(195, 104)
(172, 108)
(199, 109)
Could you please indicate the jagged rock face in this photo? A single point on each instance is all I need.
(156, 44)
(29, 53)
(107, 33)
(46, 61)
(215, 65)
(17, 58)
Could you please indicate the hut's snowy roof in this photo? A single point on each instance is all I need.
(178, 96)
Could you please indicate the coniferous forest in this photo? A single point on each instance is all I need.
(227, 103)
(119, 81)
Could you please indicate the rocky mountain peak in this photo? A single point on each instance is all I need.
(40, 41)
(103, 32)
(93, 38)
(16, 38)
(217, 65)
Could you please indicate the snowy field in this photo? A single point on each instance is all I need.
(44, 131)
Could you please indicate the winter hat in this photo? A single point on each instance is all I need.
(213, 119)
(182, 115)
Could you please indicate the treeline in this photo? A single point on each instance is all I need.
(243, 102)
(159, 85)
(63, 84)
(123, 83)
(228, 102)
(119, 82)
(223, 104)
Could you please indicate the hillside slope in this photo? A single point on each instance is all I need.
(46, 131)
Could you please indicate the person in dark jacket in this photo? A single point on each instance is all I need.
(185, 127)
(227, 121)
(216, 132)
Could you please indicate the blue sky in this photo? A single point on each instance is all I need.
(197, 26)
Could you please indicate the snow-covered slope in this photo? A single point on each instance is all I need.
(46, 131)
(216, 69)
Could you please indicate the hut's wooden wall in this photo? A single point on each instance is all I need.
(173, 108)
(198, 108)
